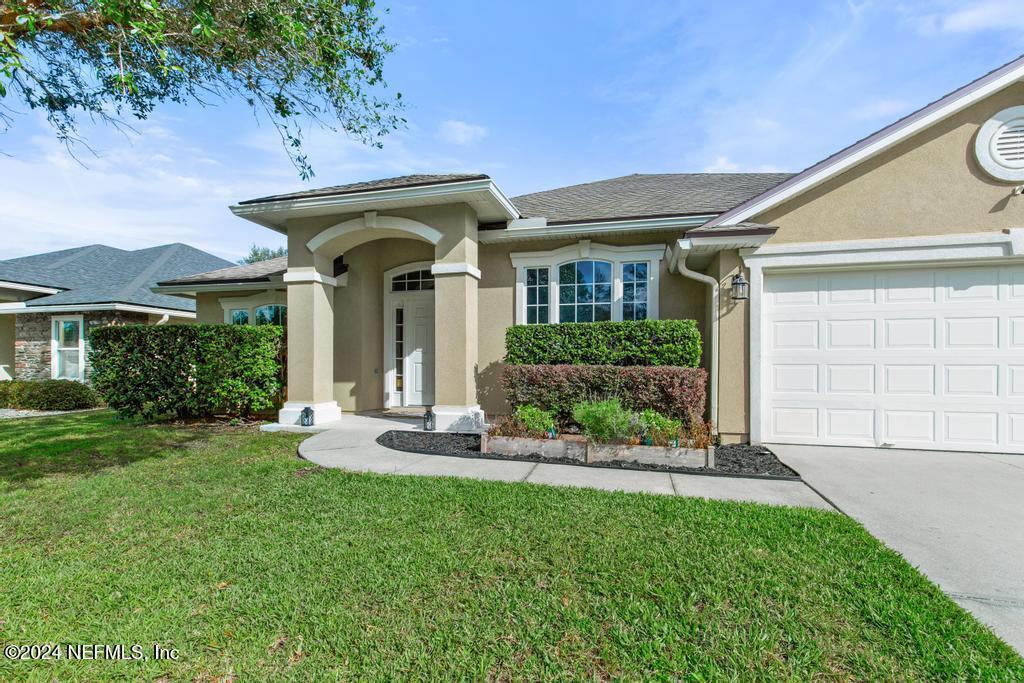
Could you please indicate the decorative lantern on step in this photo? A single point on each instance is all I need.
(306, 417)
(429, 420)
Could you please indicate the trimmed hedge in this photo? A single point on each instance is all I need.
(50, 394)
(184, 371)
(627, 343)
(672, 391)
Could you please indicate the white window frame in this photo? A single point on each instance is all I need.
(54, 346)
(271, 297)
(584, 250)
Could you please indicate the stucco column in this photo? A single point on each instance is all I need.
(310, 341)
(456, 274)
(734, 356)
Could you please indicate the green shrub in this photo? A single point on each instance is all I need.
(538, 423)
(184, 371)
(631, 342)
(661, 430)
(50, 394)
(675, 392)
(605, 421)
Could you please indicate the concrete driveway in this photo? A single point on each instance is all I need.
(958, 517)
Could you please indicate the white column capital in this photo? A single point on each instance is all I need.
(455, 269)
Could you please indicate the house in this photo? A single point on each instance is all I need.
(875, 298)
(50, 302)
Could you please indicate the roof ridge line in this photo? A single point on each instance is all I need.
(141, 279)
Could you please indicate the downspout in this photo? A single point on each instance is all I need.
(677, 261)
(161, 321)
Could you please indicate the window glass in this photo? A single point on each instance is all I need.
(537, 295)
(67, 335)
(274, 314)
(415, 281)
(399, 349)
(239, 316)
(634, 291)
(585, 291)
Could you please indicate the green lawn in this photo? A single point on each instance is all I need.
(219, 542)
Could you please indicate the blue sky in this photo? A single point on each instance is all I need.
(536, 94)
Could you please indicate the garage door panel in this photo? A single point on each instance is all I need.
(922, 358)
(910, 333)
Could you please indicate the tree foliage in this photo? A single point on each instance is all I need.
(292, 61)
(257, 254)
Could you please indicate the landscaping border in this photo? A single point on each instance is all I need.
(387, 440)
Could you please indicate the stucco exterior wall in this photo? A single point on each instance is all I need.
(930, 184)
(6, 346)
(680, 298)
(734, 352)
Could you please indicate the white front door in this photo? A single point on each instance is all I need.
(924, 357)
(419, 351)
(410, 340)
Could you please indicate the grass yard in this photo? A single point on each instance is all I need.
(219, 542)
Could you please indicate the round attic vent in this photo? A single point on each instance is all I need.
(1000, 145)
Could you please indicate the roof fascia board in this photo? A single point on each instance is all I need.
(253, 212)
(39, 289)
(582, 229)
(21, 307)
(261, 285)
(875, 143)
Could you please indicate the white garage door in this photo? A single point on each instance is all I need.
(929, 358)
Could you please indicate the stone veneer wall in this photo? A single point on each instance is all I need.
(32, 332)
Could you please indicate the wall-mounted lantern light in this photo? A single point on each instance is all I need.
(740, 288)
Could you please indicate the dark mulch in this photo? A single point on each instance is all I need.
(735, 460)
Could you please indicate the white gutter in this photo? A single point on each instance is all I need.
(534, 232)
(677, 261)
(21, 307)
(36, 289)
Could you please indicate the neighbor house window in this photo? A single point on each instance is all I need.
(634, 291)
(584, 291)
(68, 348)
(274, 314)
(415, 281)
(587, 282)
(239, 316)
(537, 295)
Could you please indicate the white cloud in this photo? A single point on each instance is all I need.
(980, 16)
(460, 132)
(724, 164)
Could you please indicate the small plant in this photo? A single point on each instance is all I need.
(509, 425)
(605, 421)
(538, 423)
(698, 433)
(660, 430)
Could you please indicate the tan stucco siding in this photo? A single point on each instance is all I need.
(680, 298)
(733, 355)
(7, 345)
(929, 184)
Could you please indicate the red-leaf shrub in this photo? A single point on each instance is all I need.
(672, 391)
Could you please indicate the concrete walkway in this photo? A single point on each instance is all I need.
(958, 517)
(352, 445)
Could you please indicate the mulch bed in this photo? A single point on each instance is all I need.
(740, 460)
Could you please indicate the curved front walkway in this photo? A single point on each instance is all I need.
(351, 445)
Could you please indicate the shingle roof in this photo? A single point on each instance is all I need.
(742, 228)
(380, 184)
(646, 196)
(98, 274)
(250, 272)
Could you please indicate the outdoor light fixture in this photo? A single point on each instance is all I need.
(306, 417)
(429, 421)
(740, 288)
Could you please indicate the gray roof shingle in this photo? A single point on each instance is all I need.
(646, 195)
(98, 274)
(249, 272)
(369, 185)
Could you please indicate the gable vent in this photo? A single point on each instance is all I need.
(999, 147)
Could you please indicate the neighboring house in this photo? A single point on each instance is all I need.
(886, 283)
(49, 303)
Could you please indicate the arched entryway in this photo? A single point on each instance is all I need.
(409, 338)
